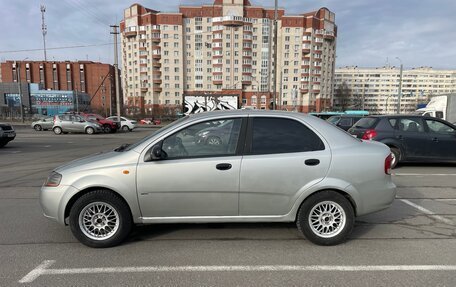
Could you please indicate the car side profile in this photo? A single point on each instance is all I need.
(126, 125)
(43, 124)
(71, 123)
(269, 167)
(411, 138)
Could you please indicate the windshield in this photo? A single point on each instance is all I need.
(365, 123)
(333, 120)
(171, 125)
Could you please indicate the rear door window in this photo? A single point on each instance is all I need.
(411, 125)
(440, 128)
(276, 135)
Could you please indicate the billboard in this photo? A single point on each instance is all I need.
(206, 103)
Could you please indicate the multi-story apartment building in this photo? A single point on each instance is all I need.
(227, 49)
(95, 79)
(377, 89)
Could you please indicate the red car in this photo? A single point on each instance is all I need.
(149, 121)
(109, 126)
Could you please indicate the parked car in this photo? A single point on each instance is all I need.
(43, 124)
(410, 137)
(7, 134)
(69, 123)
(150, 121)
(126, 125)
(274, 167)
(344, 121)
(109, 126)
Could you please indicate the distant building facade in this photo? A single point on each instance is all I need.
(379, 87)
(226, 49)
(37, 102)
(82, 76)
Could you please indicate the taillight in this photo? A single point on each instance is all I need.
(388, 161)
(369, 134)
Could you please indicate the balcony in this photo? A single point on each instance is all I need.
(157, 88)
(130, 33)
(156, 55)
(304, 90)
(217, 82)
(327, 35)
(157, 80)
(233, 21)
(155, 37)
(144, 88)
(157, 64)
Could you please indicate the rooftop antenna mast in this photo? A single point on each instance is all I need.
(43, 29)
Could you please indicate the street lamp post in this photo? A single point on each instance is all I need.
(400, 88)
(18, 71)
(386, 105)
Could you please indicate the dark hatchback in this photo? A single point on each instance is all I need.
(410, 137)
(344, 121)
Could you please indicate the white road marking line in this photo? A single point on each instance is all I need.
(229, 268)
(428, 212)
(37, 272)
(47, 146)
(424, 174)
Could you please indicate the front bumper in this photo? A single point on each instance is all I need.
(53, 201)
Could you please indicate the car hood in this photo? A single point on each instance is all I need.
(98, 160)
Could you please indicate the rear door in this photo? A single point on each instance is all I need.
(410, 131)
(282, 157)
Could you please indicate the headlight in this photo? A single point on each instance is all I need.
(53, 180)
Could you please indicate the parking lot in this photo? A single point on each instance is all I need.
(413, 243)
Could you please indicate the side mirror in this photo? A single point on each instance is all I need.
(156, 153)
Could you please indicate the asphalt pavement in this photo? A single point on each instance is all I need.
(413, 243)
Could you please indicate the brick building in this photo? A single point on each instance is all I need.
(227, 49)
(82, 76)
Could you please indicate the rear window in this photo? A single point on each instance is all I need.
(366, 123)
(333, 120)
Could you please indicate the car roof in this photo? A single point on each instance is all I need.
(398, 116)
(247, 113)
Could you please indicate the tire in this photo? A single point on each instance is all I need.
(2, 144)
(57, 130)
(396, 156)
(126, 129)
(38, 128)
(90, 130)
(333, 231)
(105, 234)
(214, 141)
(107, 129)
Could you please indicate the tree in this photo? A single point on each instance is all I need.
(342, 96)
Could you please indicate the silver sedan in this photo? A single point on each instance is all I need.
(43, 124)
(267, 167)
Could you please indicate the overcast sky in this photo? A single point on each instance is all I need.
(371, 32)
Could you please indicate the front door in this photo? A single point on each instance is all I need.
(283, 157)
(199, 177)
(442, 138)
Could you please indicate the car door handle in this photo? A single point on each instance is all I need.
(312, 161)
(223, 166)
(435, 140)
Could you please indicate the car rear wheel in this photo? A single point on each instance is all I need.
(395, 156)
(100, 219)
(38, 128)
(57, 130)
(125, 129)
(326, 218)
(90, 131)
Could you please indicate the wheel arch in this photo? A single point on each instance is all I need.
(79, 194)
(339, 191)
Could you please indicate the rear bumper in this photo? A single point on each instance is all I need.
(377, 196)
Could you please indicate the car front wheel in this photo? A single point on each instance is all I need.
(326, 218)
(90, 131)
(100, 219)
(38, 128)
(125, 129)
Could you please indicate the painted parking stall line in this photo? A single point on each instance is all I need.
(428, 212)
(43, 269)
(424, 174)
